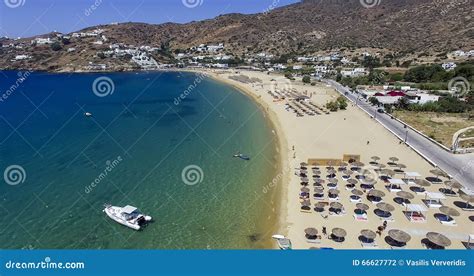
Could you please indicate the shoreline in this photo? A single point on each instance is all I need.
(281, 191)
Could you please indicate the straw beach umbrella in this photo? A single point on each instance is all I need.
(319, 207)
(453, 184)
(438, 239)
(352, 181)
(376, 193)
(405, 196)
(333, 180)
(362, 206)
(336, 205)
(449, 212)
(368, 234)
(394, 159)
(375, 158)
(318, 190)
(334, 191)
(339, 234)
(305, 190)
(358, 164)
(467, 197)
(348, 172)
(438, 172)
(357, 192)
(399, 236)
(311, 232)
(388, 172)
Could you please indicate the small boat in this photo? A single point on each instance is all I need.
(88, 114)
(128, 216)
(241, 156)
(283, 242)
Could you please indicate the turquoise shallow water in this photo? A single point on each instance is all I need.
(134, 149)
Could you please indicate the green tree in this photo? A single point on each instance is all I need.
(56, 46)
(307, 79)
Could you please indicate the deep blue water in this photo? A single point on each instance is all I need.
(134, 148)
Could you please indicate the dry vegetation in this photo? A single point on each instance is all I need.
(439, 126)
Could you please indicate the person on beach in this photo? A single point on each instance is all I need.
(324, 231)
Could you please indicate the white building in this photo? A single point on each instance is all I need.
(41, 41)
(421, 98)
(449, 66)
(22, 57)
(353, 72)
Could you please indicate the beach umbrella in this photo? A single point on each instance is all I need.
(439, 173)
(394, 159)
(467, 197)
(333, 180)
(449, 212)
(385, 207)
(347, 172)
(304, 179)
(331, 163)
(334, 191)
(405, 195)
(306, 203)
(453, 184)
(399, 235)
(401, 166)
(368, 234)
(381, 166)
(318, 190)
(320, 205)
(331, 171)
(375, 158)
(336, 205)
(357, 192)
(358, 164)
(376, 193)
(369, 182)
(388, 172)
(311, 232)
(438, 239)
(339, 232)
(422, 182)
(343, 164)
(316, 171)
(330, 168)
(319, 181)
(305, 190)
(362, 206)
(352, 181)
(303, 164)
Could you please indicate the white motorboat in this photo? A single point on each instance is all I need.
(88, 114)
(128, 216)
(283, 242)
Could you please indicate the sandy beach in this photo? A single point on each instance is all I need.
(330, 136)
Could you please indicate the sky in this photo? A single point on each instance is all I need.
(24, 18)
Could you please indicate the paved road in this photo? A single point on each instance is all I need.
(459, 166)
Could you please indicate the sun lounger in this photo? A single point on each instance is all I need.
(360, 217)
(318, 241)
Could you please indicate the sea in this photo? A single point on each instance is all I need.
(163, 142)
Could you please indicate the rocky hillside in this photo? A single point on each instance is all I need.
(401, 26)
